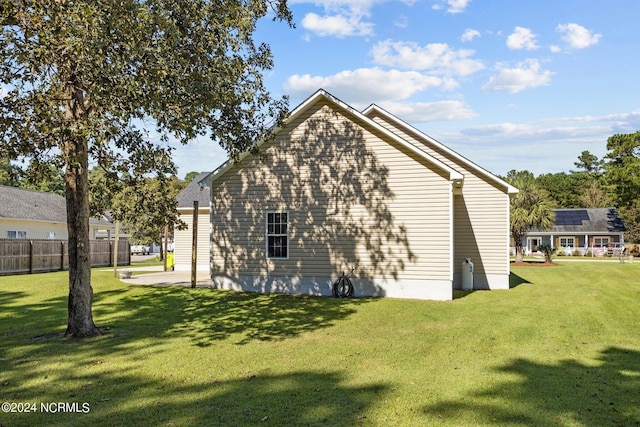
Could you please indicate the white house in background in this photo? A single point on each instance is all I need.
(182, 239)
(338, 189)
(28, 214)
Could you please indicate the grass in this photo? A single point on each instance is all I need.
(561, 348)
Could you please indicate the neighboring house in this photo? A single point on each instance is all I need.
(182, 239)
(28, 214)
(338, 189)
(595, 230)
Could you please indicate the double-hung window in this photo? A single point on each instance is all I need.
(600, 242)
(277, 235)
(13, 234)
(567, 242)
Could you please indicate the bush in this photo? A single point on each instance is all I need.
(547, 250)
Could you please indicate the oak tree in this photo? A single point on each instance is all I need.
(82, 81)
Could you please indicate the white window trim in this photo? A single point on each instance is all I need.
(266, 233)
(573, 240)
(602, 245)
(530, 242)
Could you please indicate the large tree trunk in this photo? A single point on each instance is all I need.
(517, 242)
(80, 323)
(519, 253)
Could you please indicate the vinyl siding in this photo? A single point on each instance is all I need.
(182, 241)
(353, 198)
(480, 212)
(34, 229)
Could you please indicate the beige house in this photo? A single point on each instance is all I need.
(340, 190)
(28, 214)
(182, 239)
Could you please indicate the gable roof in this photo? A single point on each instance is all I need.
(18, 203)
(587, 221)
(427, 140)
(321, 95)
(194, 192)
(29, 205)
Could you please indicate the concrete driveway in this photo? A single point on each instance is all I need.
(156, 277)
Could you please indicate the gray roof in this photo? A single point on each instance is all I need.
(194, 191)
(18, 203)
(588, 220)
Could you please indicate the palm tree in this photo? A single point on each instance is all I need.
(530, 208)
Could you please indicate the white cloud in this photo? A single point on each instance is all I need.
(469, 34)
(366, 85)
(438, 58)
(457, 6)
(342, 18)
(578, 36)
(337, 25)
(522, 38)
(526, 75)
(500, 147)
(401, 21)
(422, 112)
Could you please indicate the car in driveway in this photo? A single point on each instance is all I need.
(140, 250)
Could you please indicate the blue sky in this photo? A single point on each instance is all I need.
(508, 84)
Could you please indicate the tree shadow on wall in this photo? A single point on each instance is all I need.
(567, 393)
(337, 195)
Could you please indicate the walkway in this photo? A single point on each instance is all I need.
(167, 278)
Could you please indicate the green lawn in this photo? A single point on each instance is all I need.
(561, 348)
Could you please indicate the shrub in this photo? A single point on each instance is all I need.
(547, 250)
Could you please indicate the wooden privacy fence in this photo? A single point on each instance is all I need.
(19, 256)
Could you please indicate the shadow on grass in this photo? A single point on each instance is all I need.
(207, 315)
(303, 398)
(568, 393)
(139, 321)
(137, 317)
(459, 293)
(515, 280)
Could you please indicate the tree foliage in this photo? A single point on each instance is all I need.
(148, 207)
(530, 208)
(9, 173)
(622, 175)
(589, 163)
(84, 79)
(189, 177)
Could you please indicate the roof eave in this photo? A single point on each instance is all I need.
(510, 189)
(453, 175)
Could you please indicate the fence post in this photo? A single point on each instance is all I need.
(194, 245)
(30, 256)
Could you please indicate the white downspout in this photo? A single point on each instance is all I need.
(451, 233)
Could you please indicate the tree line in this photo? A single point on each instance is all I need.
(612, 181)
